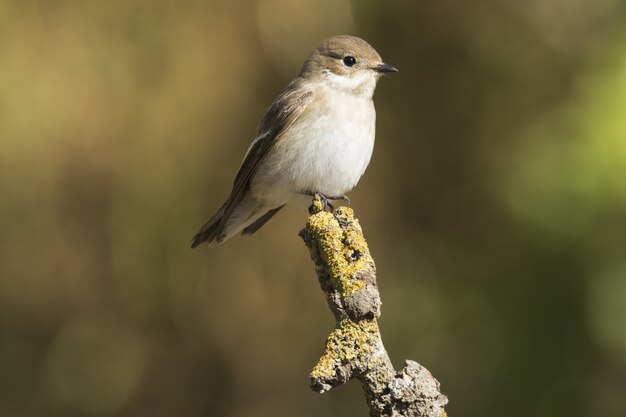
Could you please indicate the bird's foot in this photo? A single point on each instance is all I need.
(325, 201)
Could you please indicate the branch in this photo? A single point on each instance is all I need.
(347, 275)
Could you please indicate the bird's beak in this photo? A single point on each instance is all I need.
(383, 68)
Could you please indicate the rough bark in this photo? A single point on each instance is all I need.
(354, 349)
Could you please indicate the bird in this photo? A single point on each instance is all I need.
(316, 138)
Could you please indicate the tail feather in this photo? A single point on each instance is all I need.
(208, 232)
(248, 216)
(258, 223)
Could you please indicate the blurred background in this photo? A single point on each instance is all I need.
(494, 206)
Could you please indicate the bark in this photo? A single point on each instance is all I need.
(354, 349)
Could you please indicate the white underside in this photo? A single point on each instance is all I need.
(326, 150)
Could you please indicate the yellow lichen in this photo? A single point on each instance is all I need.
(353, 348)
(345, 251)
(346, 255)
(350, 343)
(317, 205)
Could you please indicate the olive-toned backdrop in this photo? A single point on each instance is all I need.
(494, 206)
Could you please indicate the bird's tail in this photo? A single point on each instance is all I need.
(209, 232)
(247, 217)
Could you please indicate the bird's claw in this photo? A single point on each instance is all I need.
(341, 197)
(325, 200)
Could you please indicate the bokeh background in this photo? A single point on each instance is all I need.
(494, 206)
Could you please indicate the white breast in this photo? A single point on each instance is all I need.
(326, 150)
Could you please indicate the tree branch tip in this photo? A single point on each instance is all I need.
(317, 205)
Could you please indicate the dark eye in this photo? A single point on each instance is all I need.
(349, 61)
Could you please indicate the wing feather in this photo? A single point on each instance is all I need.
(286, 109)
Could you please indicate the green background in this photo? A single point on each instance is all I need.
(494, 206)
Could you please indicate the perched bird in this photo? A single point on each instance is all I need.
(317, 137)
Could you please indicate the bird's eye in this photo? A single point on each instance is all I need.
(349, 61)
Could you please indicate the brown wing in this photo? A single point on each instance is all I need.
(279, 117)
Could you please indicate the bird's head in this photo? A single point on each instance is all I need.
(346, 63)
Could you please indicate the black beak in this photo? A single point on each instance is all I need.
(383, 68)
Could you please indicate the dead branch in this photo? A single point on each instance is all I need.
(354, 349)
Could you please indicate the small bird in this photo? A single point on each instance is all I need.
(316, 138)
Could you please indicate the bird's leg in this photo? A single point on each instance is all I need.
(325, 199)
